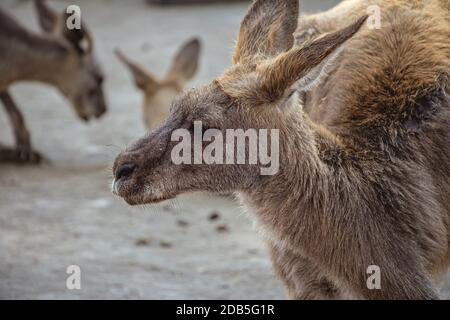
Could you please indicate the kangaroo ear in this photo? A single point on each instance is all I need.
(143, 79)
(48, 18)
(267, 29)
(305, 63)
(185, 63)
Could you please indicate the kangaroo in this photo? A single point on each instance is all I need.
(60, 57)
(365, 186)
(159, 94)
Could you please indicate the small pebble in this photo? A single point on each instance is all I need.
(165, 244)
(214, 216)
(142, 243)
(182, 223)
(222, 228)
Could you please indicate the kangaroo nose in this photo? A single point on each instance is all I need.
(125, 170)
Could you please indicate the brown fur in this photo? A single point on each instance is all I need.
(363, 174)
(57, 58)
(159, 94)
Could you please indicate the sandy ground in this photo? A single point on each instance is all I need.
(63, 214)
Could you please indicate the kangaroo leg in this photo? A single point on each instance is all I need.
(302, 279)
(23, 151)
(400, 279)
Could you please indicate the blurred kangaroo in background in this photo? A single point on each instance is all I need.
(60, 57)
(364, 175)
(159, 94)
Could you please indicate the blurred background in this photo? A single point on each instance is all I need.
(55, 215)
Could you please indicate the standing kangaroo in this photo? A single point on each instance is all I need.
(159, 94)
(367, 186)
(61, 57)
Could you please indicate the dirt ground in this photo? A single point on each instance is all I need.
(63, 213)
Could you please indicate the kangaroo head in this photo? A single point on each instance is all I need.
(159, 94)
(80, 77)
(255, 93)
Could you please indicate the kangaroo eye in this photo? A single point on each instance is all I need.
(92, 92)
